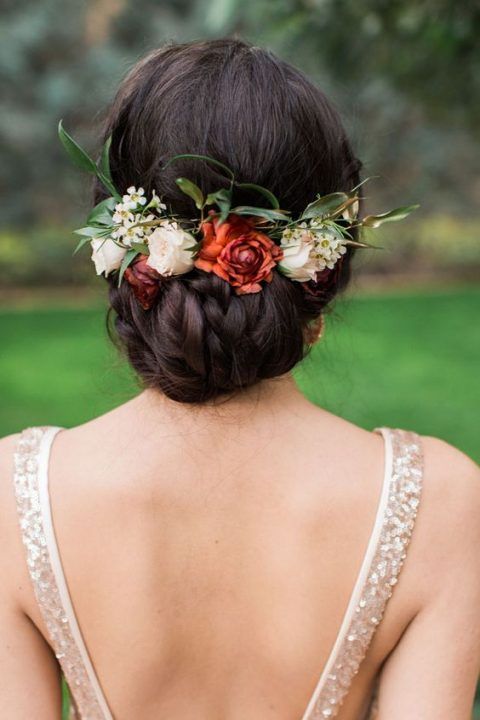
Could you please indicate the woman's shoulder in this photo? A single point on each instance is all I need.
(452, 481)
(450, 484)
(451, 477)
(447, 530)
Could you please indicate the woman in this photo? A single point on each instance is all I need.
(218, 548)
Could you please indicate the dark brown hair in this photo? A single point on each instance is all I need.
(264, 119)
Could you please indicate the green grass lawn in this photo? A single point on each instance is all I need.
(401, 359)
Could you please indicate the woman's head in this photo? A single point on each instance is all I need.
(267, 122)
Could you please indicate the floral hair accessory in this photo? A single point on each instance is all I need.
(144, 242)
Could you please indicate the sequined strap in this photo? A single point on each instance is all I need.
(44, 565)
(379, 573)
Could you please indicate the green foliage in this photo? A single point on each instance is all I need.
(222, 198)
(104, 164)
(273, 215)
(81, 158)
(192, 190)
(101, 215)
(78, 156)
(263, 191)
(130, 256)
(205, 158)
(375, 221)
(323, 206)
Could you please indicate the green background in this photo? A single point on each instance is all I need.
(406, 359)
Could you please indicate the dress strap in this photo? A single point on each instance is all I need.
(384, 557)
(31, 462)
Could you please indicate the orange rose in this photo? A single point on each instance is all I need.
(238, 253)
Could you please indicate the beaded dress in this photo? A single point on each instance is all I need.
(384, 557)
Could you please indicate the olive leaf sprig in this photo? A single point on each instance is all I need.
(327, 208)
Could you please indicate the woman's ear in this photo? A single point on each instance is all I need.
(314, 330)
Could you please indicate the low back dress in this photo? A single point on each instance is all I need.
(378, 574)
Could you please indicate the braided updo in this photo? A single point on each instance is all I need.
(265, 120)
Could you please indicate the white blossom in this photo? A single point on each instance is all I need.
(134, 197)
(171, 249)
(132, 230)
(106, 255)
(122, 214)
(155, 202)
(309, 248)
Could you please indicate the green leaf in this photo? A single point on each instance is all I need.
(140, 247)
(374, 221)
(194, 248)
(76, 153)
(127, 260)
(82, 242)
(357, 243)
(102, 213)
(345, 209)
(323, 206)
(108, 185)
(192, 190)
(261, 212)
(222, 198)
(104, 164)
(93, 232)
(365, 180)
(263, 191)
(84, 161)
(205, 158)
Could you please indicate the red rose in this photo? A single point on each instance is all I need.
(325, 284)
(144, 280)
(238, 253)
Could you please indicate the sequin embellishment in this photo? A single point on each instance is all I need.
(26, 484)
(390, 552)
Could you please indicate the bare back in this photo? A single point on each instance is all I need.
(210, 558)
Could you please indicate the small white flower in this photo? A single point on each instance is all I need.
(106, 255)
(118, 233)
(122, 214)
(155, 202)
(134, 197)
(308, 249)
(169, 249)
(132, 231)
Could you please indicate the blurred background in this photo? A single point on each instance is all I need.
(403, 347)
(405, 77)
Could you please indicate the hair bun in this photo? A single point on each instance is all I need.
(199, 339)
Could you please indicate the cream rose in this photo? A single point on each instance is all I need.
(309, 249)
(106, 255)
(170, 249)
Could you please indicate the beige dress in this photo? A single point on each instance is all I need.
(378, 574)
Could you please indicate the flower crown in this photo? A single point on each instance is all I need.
(147, 244)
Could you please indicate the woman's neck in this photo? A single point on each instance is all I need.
(267, 399)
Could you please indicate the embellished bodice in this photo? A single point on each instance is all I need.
(376, 580)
